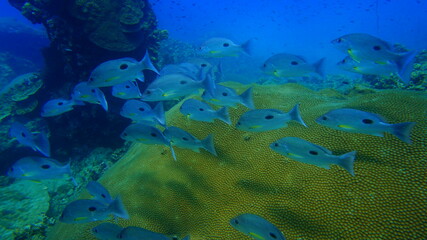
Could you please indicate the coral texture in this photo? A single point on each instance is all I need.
(200, 193)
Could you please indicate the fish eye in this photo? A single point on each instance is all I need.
(339, 40)
(45, 166)
(294, 63)
(224, 94)
(264, 65)
(60, 103)
(23, 134)
(236, 221)
(91, 209)
(103, 195)
(367, 121)
(238, 123)
(127, 86)
(153, 135)
(201, 109)
(273, 235)
(182, 82)
(185, 139)
(95, 230)
(377, 48)
(268, 117)
(141, 109)
(123, 66)
(276, 144)
(11, 169)
(313, 152)
(343, 61)
(92, 90)
(91, 79)
(226, 44)
(324, 118)
(148, 92)
(125, 134)
(203, 65)
(345, 82)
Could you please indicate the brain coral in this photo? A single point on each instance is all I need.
(199, 193)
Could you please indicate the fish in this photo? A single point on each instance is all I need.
(137, 233)
(126, 90)
(367, 67)
(117, 71)
(227, 97)
(306, 152)
(256, 227)
(99, 192)
(188, 69)
(89, 210)
(174, 86)
(107, 231)
(85, 93)
(357, 121)
(58, 106)
(39, 168)
(260, 120)
(200, 111)
(183, 139)
(146, 134)
(37, 141)
(362, 46)
(290, 65)
(223, 47)
(142, 112)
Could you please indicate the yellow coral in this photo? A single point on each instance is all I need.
(200, 193)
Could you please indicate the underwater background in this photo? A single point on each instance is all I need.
(69, 119)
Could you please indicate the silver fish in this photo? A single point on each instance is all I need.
(227, 97)
(99, 192)
(85, 93)
(306, 152)
(107, 231)
(223, 47)
(120, 70)
(126, 90)
(260, 120)
(357, 121)
(200, 111)
(38, 168)
(58, 106)
(289, 65)
(142, 112)
(183, 139)
(37, 141)
(256, 227)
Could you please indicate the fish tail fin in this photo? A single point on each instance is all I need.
(403, 131)
(159, 113)
(223, 115)
(296, 116)
(42, 144)
(118, 209)
(319, 67)
(405, 65)
(147, 64)
(247, 47)
(77, 102)
(219, 73)
(209, 84)
(346, 161)
(172, 152)
(101, 98)
(208, 144)
(246, 97)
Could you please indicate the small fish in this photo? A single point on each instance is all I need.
(107, 231)
(140, 111)
(38, 168)
(175, 86)
(126, 90)
(362, 46)
(99, 192)
(289, 65)
(367, 67)
(85, 93)
(137, 233)
(310, 153)
(357, 121)
(88, 210)
(58, 106)
(183, 139)
(223, 47)
(37, 141)
(200, 111)
(227, 97)
(120, 70)
(260, 120)
(146, 134)
(256, 227)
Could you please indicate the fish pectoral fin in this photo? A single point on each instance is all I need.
(121, 93)
(79, 219)
(111, 79)
(350, 52)
(213, 52)
(256, 236)
(294, 155)
(276, 73)
(255, 126)
(380, 62)
(214, 100)
(345, 126)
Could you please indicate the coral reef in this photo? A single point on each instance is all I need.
(23, 206)
(200, 193)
